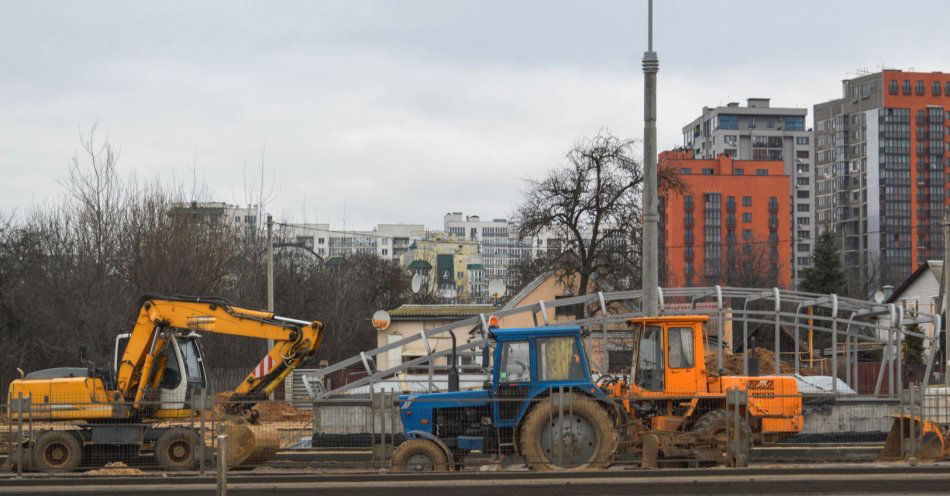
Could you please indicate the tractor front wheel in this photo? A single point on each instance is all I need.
(717, 427)
(419, 455)
(574, 434)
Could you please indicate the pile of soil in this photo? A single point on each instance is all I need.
(115, 468)
(732, 363)
(278, 411)
(270, 411)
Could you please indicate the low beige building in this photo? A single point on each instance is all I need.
(410, 320)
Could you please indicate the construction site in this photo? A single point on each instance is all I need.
(527, 399)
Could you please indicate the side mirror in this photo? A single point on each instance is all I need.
(486, 356)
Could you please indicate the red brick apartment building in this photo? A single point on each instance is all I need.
(732, 226)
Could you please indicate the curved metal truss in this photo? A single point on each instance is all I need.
(851, 323)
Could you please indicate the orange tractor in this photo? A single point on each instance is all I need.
(684, 406)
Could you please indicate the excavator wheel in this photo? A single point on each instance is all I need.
(714, 427)
(576, 435)
(419, 455)
(57, 451)
(177, 450)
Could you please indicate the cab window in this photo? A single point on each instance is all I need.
(681, 347)
(172, 377)
(515, 362)
(559, 359)
(650, 359)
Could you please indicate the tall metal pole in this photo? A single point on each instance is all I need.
(946, 302)
(651, 64)
(270, 276)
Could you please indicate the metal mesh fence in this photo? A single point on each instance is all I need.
(561, 428)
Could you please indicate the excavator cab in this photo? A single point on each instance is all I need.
(182, 375)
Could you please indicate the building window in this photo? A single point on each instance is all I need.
(795, 123)
(746, 201)
(801, 194)
(761, 172)
(905, 87)
(803, 207)
(729, 139)
(919, 89)
(802, 181)
(726, 121)
(865, 89)
(747, 234)
(770, 121)
(686, 170)
(801, 154)
(386, 252)
(804, 247)
(804, 221)
(707, 172)
(892, 87)
(747, 217)
(751, 121)
(936, 88)
(730, 152)
(801, 140)
(802, 235)
(739, 172)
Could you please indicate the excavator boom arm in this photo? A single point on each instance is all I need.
(158, 316)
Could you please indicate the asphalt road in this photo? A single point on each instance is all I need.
(837, 480)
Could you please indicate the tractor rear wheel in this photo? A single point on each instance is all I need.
(419, 455)
(715, 427)
(57, 451)
(576, 435)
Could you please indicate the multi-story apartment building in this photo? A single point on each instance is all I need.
(219, 213)
(389, 241)
(761, 132)
(497, 242)
(881, 155)
(730, 226)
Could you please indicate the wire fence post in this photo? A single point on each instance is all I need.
(223, 465)
(203, 406)
(19, 435)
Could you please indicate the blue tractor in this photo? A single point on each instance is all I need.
(540, 403)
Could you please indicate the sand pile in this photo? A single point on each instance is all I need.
(732, 363)
(115, 468)
(277, 411)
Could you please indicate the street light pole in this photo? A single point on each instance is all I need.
(651, 65)
(270, 276)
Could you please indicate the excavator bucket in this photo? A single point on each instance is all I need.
(930, 441)
(249, 444)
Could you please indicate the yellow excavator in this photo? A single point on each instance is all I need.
(145, 403)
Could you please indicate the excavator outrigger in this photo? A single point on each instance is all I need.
(157, 370)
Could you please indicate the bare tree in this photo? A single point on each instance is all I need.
(592, 205)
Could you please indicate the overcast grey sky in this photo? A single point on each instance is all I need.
(399, 111)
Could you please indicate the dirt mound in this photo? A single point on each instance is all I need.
(732, 363)
(276, 411)
(115, 468)
(269, 411)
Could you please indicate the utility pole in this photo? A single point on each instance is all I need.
(270, 277)
(945, 311)
(651, 65)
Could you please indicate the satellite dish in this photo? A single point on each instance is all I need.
(381, 320)
(879, 296)
(416, 283)
(496, 288)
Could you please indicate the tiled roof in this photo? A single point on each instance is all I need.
(410, 311)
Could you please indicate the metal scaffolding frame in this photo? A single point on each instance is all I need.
(850, 319)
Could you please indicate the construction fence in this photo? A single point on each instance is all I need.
(563, 428)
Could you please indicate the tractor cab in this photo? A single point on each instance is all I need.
(669, 358)
(532, 361)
